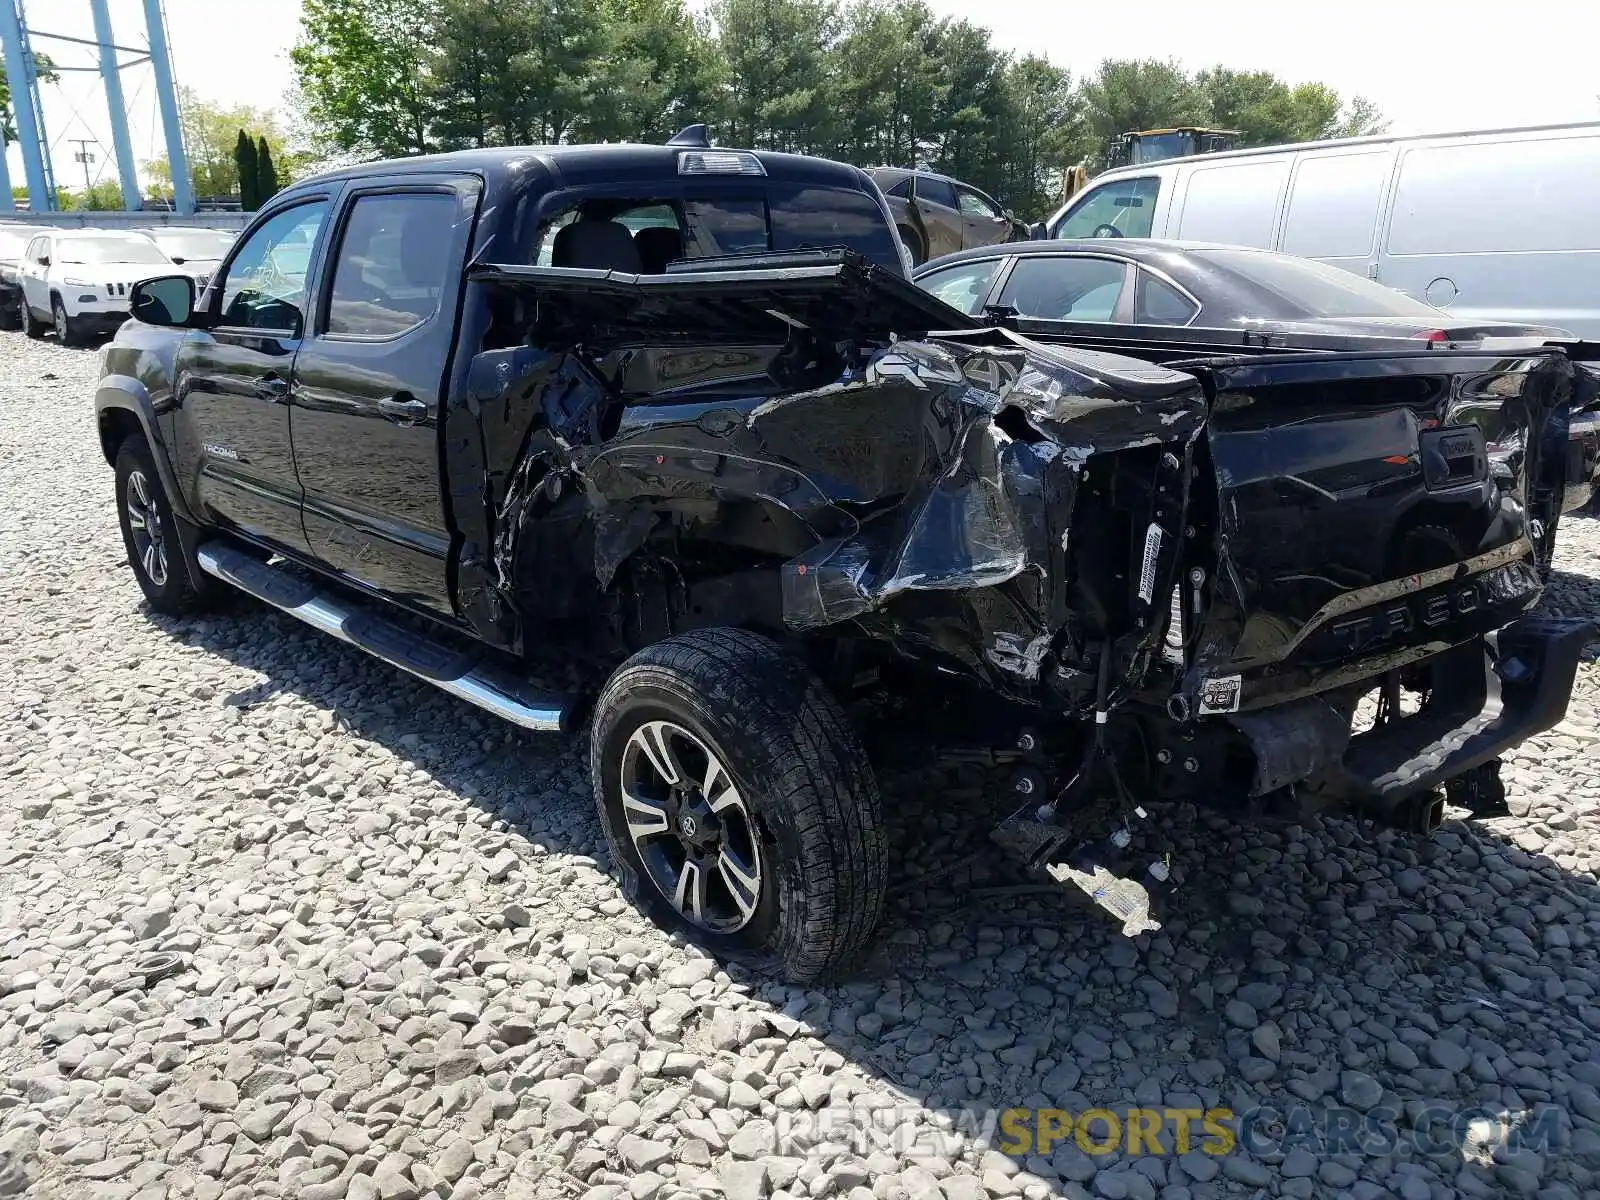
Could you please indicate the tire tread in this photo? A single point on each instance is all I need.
(818, 773)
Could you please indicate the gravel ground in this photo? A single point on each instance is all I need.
(402, 969)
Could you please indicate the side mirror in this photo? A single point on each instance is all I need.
(164, 300)
(1038, 232)
(44, 260)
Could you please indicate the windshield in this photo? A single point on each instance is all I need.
(110, 250)
(11, 244)
(1313, 289)
(193, 243)
(1120, 208)
(1162, 145)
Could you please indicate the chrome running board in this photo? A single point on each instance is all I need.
(462, 673)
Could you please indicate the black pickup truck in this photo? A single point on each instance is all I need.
(672, 419)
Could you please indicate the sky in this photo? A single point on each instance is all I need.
(1431, 68)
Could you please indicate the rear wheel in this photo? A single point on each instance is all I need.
(919, 253)
(30, 324)
(737, 802)
(150, 533)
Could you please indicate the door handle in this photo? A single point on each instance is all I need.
(272, 387)
(402, 409)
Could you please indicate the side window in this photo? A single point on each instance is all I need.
(974, 205)
(40, 250)
(1057, 287)
(1233, 202)
(965, 285)
(901, 189)
(1121, 208)
(935, 191)
(265, 284)
(1158, 303)
(392, 264)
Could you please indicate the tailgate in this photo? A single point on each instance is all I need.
(1370, 510)
(755, 299)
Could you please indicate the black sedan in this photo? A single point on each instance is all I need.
(1135, 281)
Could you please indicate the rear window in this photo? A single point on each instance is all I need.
(781, 217)
(1310, 288)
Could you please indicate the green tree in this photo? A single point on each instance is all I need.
(211, 139)
(659, 70)
(780, 73)
(244, 162)
(47, 73)
(367, 69)
(972, 100)
(1039, 129)
(105, 196)
(266, 173)
(888, 88)
(1127, 94)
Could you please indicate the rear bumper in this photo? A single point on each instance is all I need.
(1519, 687)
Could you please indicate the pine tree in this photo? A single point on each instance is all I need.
(266, 173)
(244, 157)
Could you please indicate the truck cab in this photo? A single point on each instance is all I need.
(1153, 145)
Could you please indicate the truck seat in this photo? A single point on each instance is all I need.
(658, 245)
(595, 245)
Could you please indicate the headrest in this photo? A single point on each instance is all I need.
(596, 245)
(658, 245)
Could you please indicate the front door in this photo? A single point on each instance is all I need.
(983, 222)
(369, 384)
(232, 380)
(934, 200)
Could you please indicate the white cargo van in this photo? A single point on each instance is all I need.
(1502, 224)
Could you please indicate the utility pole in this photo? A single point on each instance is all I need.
(85, 157)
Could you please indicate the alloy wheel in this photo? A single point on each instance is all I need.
(692, 828)
(149, 536)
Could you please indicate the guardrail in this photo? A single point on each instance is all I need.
(231, 221)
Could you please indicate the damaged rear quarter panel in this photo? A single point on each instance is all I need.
(934, 488)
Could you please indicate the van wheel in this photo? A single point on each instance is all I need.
(737, 802)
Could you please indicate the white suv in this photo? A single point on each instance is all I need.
(77, 280)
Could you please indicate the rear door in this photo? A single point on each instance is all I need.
(369, 385)
(231, 380)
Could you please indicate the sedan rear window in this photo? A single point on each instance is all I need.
(1309, 288)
